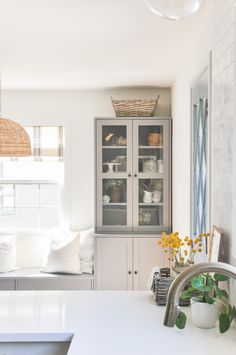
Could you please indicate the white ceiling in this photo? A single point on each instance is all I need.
(91, 44)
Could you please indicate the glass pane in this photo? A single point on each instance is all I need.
(150, 136)
(27, 218)
(150, 215)
(6, 195)
(114, 136)
(150, 191)
(114, 215)
(114, 160)
(7, 217)
(27, 195)
(33, 170)
(49, 195)
(114, 191)
(114, 202)
(49, 217)
(49, 141)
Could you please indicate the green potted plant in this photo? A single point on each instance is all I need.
(208, 303)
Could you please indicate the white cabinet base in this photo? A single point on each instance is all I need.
(33, 279)
(125, 263)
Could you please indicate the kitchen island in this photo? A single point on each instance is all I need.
(105, 323)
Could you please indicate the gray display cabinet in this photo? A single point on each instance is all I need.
(133, 175)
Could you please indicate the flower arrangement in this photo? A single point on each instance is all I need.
(182, 249)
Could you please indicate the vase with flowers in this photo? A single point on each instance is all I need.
(181, 249)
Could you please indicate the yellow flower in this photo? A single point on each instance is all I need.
(199, 250)
(186, 239)
(194, 251)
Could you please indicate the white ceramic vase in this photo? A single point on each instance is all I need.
(204, 315)
(156, 196)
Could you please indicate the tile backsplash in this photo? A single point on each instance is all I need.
(223, 154)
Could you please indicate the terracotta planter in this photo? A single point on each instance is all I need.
(153, 139)
(116, 194)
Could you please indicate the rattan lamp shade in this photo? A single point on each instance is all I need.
(14, 140)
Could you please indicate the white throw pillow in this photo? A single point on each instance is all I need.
(7, 254)
(87, 251)
(63, 257)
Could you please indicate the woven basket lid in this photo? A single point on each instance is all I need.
(14, 140)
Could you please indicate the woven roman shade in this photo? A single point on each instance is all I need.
(14, 140)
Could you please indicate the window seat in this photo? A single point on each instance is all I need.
(33, 279)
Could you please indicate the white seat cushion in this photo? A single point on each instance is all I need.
(63, 257)
(87, 251)
(7, 254)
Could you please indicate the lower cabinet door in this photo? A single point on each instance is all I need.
(114, 263)
(146, 254)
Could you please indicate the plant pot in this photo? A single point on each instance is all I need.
(204, 315)
(178, 268)
(153, 139)
(116, 194)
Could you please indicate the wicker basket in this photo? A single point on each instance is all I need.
(135, 107)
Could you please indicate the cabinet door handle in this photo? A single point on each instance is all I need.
(129, 272)
(135, 175)
(129, 175)
(135, 272)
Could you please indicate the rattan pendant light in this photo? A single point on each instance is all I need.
(14, 140)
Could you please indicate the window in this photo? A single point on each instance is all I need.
(31, 187)
(200, 156)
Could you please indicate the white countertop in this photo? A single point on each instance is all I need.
(107, 323)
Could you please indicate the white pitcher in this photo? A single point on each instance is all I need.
(147, 197)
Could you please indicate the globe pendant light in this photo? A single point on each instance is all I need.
(174, 9)
(14, 140)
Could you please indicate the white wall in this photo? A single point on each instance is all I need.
(220, 38)
(181, 113)
(76, 111)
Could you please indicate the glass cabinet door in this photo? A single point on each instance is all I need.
(114, 175)
(151, 142)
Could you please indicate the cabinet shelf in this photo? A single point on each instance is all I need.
(115, 204)
(114, 146)
(151, 204)
(150, 146)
